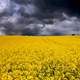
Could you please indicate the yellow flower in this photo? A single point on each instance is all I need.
(40, 58)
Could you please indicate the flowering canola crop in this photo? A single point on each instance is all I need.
(40, 58)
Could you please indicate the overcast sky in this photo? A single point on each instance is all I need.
(39, 17)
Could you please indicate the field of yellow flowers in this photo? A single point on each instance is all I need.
(40, 58)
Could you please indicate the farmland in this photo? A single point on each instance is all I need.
(40, 58)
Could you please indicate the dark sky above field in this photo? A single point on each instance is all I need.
(39, 17)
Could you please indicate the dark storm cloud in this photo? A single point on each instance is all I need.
(39, 17)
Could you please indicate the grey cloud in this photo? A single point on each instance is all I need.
(4, 5)
(34, 17)
(70, 25)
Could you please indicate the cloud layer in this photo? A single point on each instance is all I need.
(38, 17)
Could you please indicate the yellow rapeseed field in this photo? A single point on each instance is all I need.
(40, 58)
